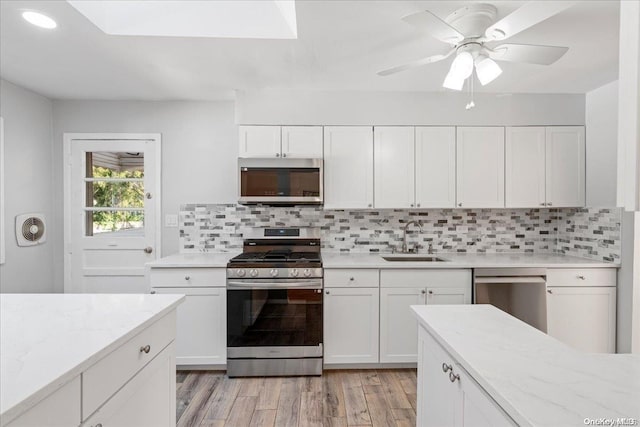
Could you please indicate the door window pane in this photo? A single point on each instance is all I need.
(115, 223)
(105, 164)
(109, 194)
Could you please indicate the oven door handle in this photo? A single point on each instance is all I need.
(238, 284)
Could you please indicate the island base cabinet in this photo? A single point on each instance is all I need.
(59, 409)
(201, 326)
(583, 317)
(448, 395)
(351, 325)
(148, 400)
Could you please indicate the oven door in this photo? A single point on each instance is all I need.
(280, 181)
(274, 318)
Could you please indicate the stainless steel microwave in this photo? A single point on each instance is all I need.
(278, 181)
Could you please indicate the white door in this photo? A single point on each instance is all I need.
(351, 325)
(201, 334)
(259, 141)
(525, 167)
(583, 317)
(398, 325)
(480, 167)
(348, 167)
(394, 156)
(302, 142)
(435, 167)
(565, 148)
(448, 295)
(112, 204)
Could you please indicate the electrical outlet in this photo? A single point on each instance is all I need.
(171, 220)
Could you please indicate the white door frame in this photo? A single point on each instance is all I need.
(67, 141)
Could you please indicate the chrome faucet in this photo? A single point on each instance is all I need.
(405, 250)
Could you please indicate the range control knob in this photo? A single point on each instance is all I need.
(253, 272)
(240, 272)
(294, 272)
(306, 272)
(273, 272)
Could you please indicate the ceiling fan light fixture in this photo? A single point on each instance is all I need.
(453, 82)
(487, 69)
(462, 66)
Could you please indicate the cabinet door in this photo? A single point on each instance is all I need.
(477, 407)
(259, 141)
(60, 409)
(565, 147)
(583, 317)
(435, 167)
(351, 325)
(480, 167)
(448, 295)
(348, 167)
(525, 167)
(302, 142)
(394, 166)
(398, 325)
(147, 400)
(437, 396)
(201, 335)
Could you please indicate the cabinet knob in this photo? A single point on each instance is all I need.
(423, 292)
(153, 292)
(549, 204)
(145, 349)
(543, 204)
(148, 250)
(369, 205)
(453, 377)
(187, 277)
(327, 292)
(284, 154)
(411, 205)
(418, 205)
(446, 368)
(277, 154)
(98, 425)
(549, 291)
(581, 277)
(352, 278)
(430, 292)
(460, 204)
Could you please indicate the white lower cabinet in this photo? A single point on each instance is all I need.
(148, 400)
(60, 409)
(581, 308)
(447, 394)
(351, 325)
(202, 318)
(398, 326)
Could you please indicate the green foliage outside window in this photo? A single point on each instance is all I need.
(117, 194)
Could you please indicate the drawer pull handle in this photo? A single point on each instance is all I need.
(352, 278)
(187, 277)
(453, 377)
(446, 368)
(153, 292)
(549, 291)
(581, 277)
(145, 349)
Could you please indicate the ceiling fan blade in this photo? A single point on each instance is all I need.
(528, 15)
(528, 53)
(414, 64)
(427, 21)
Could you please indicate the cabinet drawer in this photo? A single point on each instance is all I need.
(103, 379)
(192, 277)
(343, 277)
(424, 278)
(581, 277)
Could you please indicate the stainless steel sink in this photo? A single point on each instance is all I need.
(409, 258)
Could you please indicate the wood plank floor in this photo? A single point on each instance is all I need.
(383, 397)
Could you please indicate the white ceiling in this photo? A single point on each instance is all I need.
(340, 46)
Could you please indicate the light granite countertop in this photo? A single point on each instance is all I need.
(203, 260)
(535, 378)
(454, 260)
(48, 339)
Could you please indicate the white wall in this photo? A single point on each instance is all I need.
(295, 107)
(199, 149)
(601, 107)
(28, 188)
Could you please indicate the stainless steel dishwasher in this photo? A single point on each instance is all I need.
(521, 292)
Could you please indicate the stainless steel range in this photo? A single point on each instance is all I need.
(274, 304)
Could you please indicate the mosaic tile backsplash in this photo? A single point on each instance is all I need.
(592, 233)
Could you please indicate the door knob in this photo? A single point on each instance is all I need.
(148, 250)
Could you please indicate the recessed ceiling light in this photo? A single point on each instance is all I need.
(39, 20)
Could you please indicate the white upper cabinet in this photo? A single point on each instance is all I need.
(480, 167)
(281, 141)
(348, 167)
(525, 167)
(435, 164)
(302, 142)
(259, 141)
(565, 153)
(394, 153)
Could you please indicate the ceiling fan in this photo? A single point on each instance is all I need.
(472, 28)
